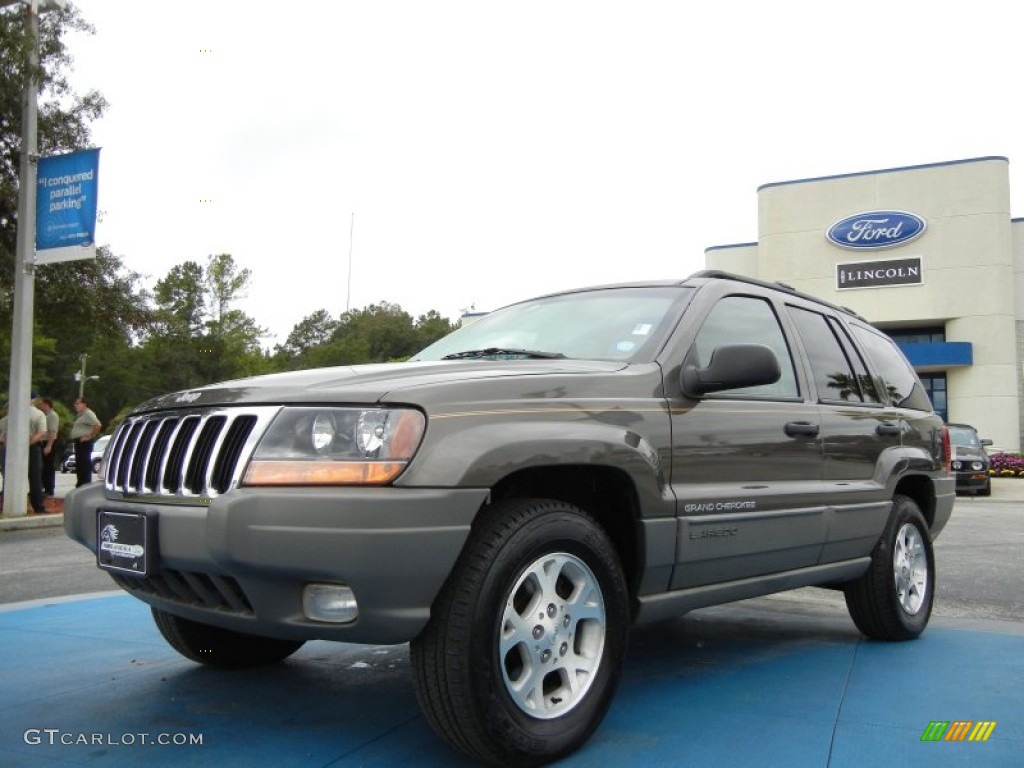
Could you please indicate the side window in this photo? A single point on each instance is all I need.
(747, 320)
(895, 376)
(840, 374)
(867, 383)
(833, 372)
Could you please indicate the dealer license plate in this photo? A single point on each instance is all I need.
(124, 542)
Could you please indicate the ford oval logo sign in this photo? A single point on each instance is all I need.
(876, 229)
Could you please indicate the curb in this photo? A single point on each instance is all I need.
(31, 522)
(54, 516)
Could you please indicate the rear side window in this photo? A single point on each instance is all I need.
(748, 320)
(839, 372)
(894, 375)
(867, 383)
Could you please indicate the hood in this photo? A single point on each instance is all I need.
(968, 453)
(367, 383)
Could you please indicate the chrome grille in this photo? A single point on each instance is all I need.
(187, 455)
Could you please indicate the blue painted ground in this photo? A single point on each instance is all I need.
(732, 685)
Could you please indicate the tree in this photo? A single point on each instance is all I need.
(378, 333)
(95, 307)
(199, 338)
(312, 331)
(431, 327)
(181, 302)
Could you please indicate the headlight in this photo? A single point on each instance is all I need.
(956, 466)
(336, 446)
(977, 466)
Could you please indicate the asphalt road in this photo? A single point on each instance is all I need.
(778, 680)
(979, 565)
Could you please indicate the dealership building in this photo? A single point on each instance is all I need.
(930, 254)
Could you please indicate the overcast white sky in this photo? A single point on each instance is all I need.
(493, 151)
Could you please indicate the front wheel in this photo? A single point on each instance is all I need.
(523, 651)
(217, 647)
(893, 599)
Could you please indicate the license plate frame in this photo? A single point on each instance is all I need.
(126, 542)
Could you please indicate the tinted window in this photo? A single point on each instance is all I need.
(747, 320)
(833, 372)
(895, 376)
(867, 384)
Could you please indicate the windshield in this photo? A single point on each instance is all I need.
(624, 324)
(964, 436)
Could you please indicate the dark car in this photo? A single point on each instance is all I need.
(516, 496)
(970, 461)
(67, 461)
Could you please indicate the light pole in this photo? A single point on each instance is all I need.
(81, 378)
(16, 470)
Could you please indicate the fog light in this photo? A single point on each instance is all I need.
(329, 602)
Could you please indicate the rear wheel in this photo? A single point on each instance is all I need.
(522, 654)
(217, 647)
(893, 599)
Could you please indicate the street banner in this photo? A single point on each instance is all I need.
(66, 189)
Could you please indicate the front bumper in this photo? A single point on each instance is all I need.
(971, 481)
(242, 562)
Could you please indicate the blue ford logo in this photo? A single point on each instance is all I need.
(876, 229)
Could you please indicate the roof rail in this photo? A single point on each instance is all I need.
(718, 274)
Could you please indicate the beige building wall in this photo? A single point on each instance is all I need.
(971, 259)
(1017, 240)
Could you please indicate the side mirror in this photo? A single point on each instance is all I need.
(732, 366)
(985, 442)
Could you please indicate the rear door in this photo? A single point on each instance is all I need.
(861, 436)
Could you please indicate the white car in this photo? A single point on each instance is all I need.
(99, 447)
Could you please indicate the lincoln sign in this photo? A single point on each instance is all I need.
(876, 274)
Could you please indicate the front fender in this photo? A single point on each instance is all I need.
(480, 449)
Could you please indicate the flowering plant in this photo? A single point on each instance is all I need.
(1007, 465)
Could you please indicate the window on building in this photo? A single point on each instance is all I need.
(916, 335)
(935, 385)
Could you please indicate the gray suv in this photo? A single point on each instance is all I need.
(519, 494)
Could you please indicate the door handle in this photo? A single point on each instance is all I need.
(888, 430)
(801, 429)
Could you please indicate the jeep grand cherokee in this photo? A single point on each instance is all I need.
(521, 492)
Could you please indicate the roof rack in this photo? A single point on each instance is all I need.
(718, 274)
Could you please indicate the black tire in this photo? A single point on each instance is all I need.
(481, 697)
(217, 647)
(987, 490)
(887, 607)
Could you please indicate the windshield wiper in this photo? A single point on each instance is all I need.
(501, 351)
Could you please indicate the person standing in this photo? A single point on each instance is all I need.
(36, 438)
(50, 446)
(83, 432)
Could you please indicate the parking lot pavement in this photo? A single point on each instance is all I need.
(90, 681)
(780, 680)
